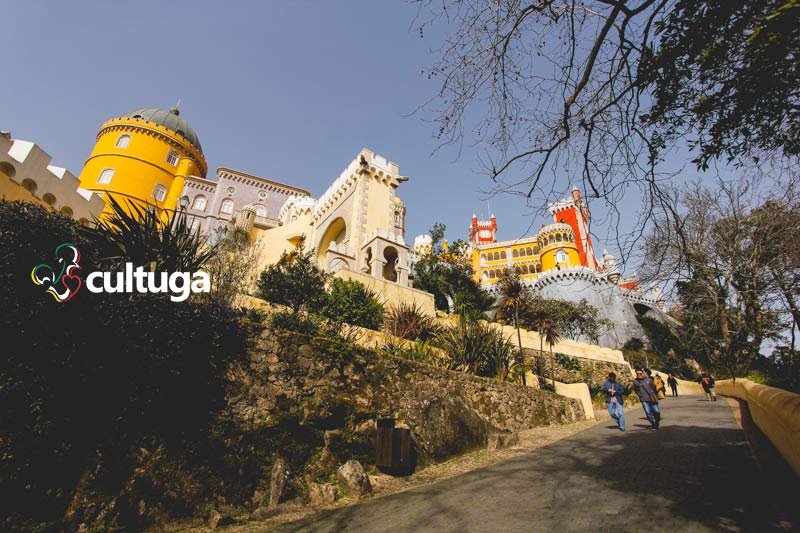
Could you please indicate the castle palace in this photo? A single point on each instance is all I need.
(559, 263)
(153, 158)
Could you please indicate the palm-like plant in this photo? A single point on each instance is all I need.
(134, 234)
(550, 333)
(514, 296)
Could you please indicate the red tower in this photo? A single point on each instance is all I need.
(572, 211)
(481, 231)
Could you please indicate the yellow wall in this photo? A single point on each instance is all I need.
(392, 293)
(12, 191)
(548, 255)
(143, 164)
(775, 411)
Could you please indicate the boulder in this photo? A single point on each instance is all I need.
(504, 439)
(353, 477)
(280, 473)
(322, 494)
(217, 519)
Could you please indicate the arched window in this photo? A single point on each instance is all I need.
(159, 193)
(172, 158)
(199, 203)
(503, 255)
(49, 199)
(561, 256)
(492, 274)
(105, 176)
(261, 211)
(536, 250)
(497, 256)
(226, 207)
(538, 268)
(29, 184)
(514, 253)
(528, 251)
(123, 141)
(558, 237)
(67, 211)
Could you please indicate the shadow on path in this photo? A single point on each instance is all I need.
(697, 473)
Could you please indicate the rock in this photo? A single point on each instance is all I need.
(217, 519)
(262, 513)
(280, 473)
(500, 440)
(322, 494)
(353, 477)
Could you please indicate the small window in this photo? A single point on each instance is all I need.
(561, 256)
(503, 255)
(159, 193)
(105, 176)
(30, 185)
(123, 141)
(67, 211)
(172, 158)
(199, 203)
(515, 253)
(49, 199)
(261, 211)
(262, 194)
(226, 207)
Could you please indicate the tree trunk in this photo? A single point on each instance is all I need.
(519, 339)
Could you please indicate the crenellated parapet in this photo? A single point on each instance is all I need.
(296, 206)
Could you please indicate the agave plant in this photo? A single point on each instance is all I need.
(407, 321)
(134, 234)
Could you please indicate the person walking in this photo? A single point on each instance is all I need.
(673, 384)
(613, 390)
(645, 389)
(661, 389)
(707, 382)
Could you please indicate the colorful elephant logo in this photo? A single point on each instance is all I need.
(61, 282)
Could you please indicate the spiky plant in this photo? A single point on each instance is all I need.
(408, 321)
(132, 233)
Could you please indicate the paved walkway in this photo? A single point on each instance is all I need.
(695, 474)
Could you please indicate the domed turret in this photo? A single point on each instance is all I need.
(144, 157)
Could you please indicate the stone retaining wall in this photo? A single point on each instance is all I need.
(332, 386)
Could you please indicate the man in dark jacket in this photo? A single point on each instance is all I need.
(645, 389)
(613, 391)
(673, 384)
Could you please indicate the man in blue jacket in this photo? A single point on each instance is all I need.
(613, 390)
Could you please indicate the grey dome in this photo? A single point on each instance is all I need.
(171, 120)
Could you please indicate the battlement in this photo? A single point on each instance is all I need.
(31, 175)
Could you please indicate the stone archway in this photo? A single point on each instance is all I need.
(390, 255)
(336, 232)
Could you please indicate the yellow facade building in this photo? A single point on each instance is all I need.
(144, 157)
(553, 248)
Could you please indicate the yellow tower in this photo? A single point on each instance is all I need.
(557, 247)
(144, 157)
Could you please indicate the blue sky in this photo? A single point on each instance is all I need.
(286, 90)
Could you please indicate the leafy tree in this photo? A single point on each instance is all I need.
(631, 80)
(717, 255)
(448, 275)
(294, 281)
(231, 268)
(350, 302)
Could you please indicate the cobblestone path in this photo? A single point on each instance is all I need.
(696, 473)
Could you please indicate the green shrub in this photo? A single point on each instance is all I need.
(297, 322)
(350, 302)
(95, 376)
(294, 281)
(567, 362)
